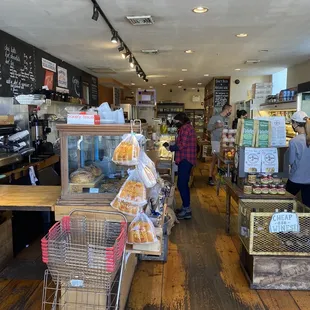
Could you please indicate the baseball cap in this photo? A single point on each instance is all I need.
(299, 117)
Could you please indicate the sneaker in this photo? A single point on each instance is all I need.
(211, 182)
(184, 215)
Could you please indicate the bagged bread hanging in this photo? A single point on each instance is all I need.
(133, 190)
(127, 152)
(147, 171)
(246, 132)
(263, 133)
(141, 230)
(125, 207)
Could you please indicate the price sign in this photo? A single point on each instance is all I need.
(283, 222)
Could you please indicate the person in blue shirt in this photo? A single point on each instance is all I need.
(299, 158)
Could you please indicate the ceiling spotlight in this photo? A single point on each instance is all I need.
(95, 13)
(200, 9)
(181, 80)
(184, 70)
(180, 86)
(126, 54)
(264, 51)
(237, 69)
(121, 47)
(114, 38)
(193, 88)
(164, 84)
(206, 75)
(241, 35)
(189, 51)
(151, 86)
(199, 83)
(131, 62)
(133, 84)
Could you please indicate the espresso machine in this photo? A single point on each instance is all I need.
(39, 130)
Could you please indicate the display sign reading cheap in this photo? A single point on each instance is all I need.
(283, 222)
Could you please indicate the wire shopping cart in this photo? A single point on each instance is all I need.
(84, 253)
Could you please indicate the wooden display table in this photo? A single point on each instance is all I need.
(232, 190)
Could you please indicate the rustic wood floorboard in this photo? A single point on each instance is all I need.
(202, 271)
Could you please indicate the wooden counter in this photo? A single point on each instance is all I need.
(28, 198)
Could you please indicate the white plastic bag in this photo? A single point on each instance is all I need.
(125, 207)
(127, 152)
(141, 230)
(147, 171)
(133, 190)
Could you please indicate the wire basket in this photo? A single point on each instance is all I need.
(253, 221)
(84, 252)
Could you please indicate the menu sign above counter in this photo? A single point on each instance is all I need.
(221, 91)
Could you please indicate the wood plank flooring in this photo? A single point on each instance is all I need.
(202, 271)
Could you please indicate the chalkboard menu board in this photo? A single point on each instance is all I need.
(17, 60)
(221, 91)
(22, 71)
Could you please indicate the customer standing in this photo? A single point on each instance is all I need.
(240, 114)
(185, 150)
(299, 158)
(215, 126)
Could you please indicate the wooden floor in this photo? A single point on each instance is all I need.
(202, 271)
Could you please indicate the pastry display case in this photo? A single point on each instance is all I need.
(88, 174)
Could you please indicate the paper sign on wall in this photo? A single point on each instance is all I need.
(284, 222)
(62, 77)
(48, 65)
(49, 79)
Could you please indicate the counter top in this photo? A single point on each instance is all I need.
(28, 198)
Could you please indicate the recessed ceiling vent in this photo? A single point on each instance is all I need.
(140, 20)
(102, 70)
(252, 61)
(149, 52)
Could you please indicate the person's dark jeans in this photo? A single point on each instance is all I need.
(295, 188)
(184, 172)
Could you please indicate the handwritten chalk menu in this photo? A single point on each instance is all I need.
(17, 68)
(284, 222)
(221, 91)
(94, 89)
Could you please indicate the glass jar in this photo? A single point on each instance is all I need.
(257, 189)
(264, 179)
(281, 189)
(252, 178)
(247, 188)
(265, 189)
(273, 189)
(276, 179)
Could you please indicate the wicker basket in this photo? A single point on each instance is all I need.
(253, 223)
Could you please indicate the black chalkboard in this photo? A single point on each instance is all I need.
(221, 91)
(21, 70)
(17, 60)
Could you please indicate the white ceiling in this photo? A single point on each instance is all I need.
(65, 29)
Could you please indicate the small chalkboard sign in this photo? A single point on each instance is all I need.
(284, 222)
(221, 91)
(94, 90)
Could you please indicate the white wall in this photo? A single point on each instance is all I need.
(240, 92)
(298, 74)
(181, 96)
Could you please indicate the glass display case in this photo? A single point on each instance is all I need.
(88, 174)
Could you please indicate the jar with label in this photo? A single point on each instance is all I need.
(276, 179)
(281, 189)
(273, 189)
(265, 189)
(257, 189)
(270, 179)
(264, 179)
(252, 178)
(247, 188)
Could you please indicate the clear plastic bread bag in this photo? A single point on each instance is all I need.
(141, 230)
(133, 190)
(127, 152)
(147, 170)
(125, 207)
